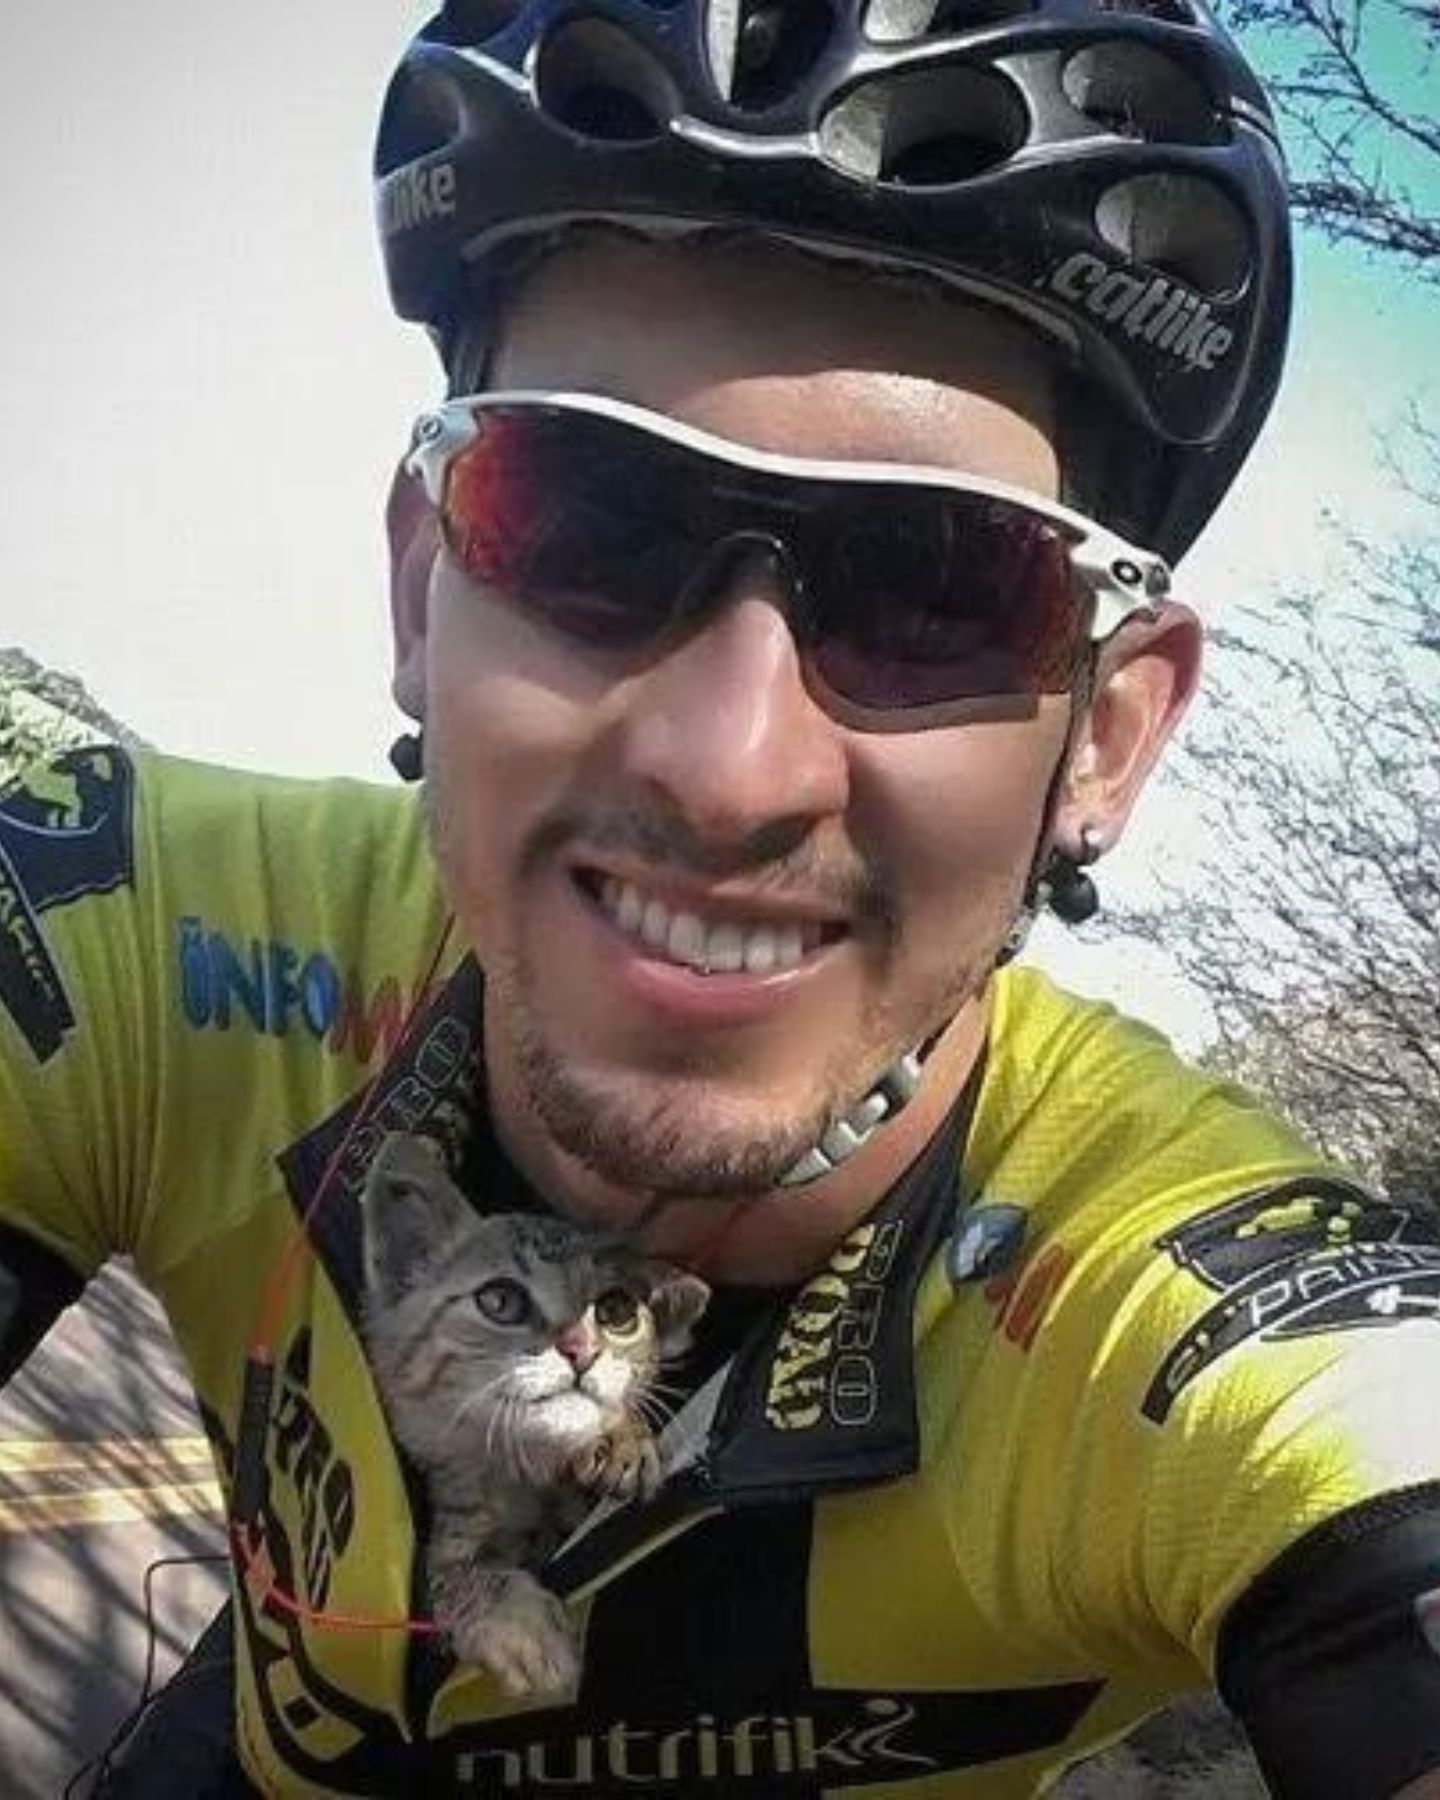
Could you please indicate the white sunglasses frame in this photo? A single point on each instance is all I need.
(1124, 581)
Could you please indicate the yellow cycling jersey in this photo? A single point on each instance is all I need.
(966, 1505)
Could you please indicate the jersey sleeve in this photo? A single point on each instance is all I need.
(78, 1064)
(1266, 1379)
(1211, 1349)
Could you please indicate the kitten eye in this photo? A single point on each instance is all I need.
(618, 1312)
(503, 1301)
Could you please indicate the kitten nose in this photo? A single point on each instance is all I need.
(577, 1344)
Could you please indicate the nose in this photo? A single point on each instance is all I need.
(723, 727)
(579, 1345)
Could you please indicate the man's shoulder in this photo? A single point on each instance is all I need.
(206, 826)
(93, 789)
(1152, 1195)
(202, 790)
(1093, 1123)
(112, 860)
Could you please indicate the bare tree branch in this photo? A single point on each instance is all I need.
(1315, 933)
(1360, 117)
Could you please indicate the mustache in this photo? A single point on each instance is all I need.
(780, 857)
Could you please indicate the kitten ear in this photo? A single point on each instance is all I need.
(676, 1302)
(412, 1210)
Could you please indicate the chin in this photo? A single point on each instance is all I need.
(676, 1136)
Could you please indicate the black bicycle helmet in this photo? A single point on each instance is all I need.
(1105, 169)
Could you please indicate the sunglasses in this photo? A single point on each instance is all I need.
(912, 590)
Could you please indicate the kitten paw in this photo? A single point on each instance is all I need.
(521, 1633)
(622, 1465)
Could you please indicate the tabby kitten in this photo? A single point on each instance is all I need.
(517, 1357)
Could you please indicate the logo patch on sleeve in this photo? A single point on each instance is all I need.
(1310, 1256)
(65, 830)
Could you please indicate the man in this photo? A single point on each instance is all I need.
(782, 601)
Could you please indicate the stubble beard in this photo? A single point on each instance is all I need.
(651, 1135)
(661, 1142)
(668, 1139)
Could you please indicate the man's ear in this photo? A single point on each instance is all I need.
(1146, 678)
(413, 532)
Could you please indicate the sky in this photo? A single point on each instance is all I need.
(203, 392)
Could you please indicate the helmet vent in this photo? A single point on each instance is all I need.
(1134, 91)
(1172, 12)
(760, 51)
(466, 23)
(925, 127)
(599, 83)
(910, 21)
(1181, 226)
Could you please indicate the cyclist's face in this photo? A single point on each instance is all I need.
(571, 784)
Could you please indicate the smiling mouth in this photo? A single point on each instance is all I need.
(710, 946)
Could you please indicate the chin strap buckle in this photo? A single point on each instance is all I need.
(891, 1094)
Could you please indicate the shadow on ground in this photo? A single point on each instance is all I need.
(74, 1639)
(1192, 1751)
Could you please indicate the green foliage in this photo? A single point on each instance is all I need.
(43, 712)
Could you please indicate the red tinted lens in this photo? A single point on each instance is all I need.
(495, 508)
(915, 597)
(932, 597)
(584, 522)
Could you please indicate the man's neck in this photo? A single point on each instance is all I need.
(774, 1238)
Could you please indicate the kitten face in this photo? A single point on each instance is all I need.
(512, 1341)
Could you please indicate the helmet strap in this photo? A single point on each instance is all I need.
(1057, 880)
(892, 1091)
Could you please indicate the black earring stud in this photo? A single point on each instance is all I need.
(407, 755)
(1071, 894)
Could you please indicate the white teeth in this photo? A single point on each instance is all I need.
(725, 949)
(760, 948)
(686, 942)
(630, 909)
(721, 949)
(655, 926)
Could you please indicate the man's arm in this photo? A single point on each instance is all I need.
(77, 1032)
(1426, 1788)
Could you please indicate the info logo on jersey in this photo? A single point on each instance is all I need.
(1308, 1256)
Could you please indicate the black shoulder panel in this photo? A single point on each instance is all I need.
(1332, 1659)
